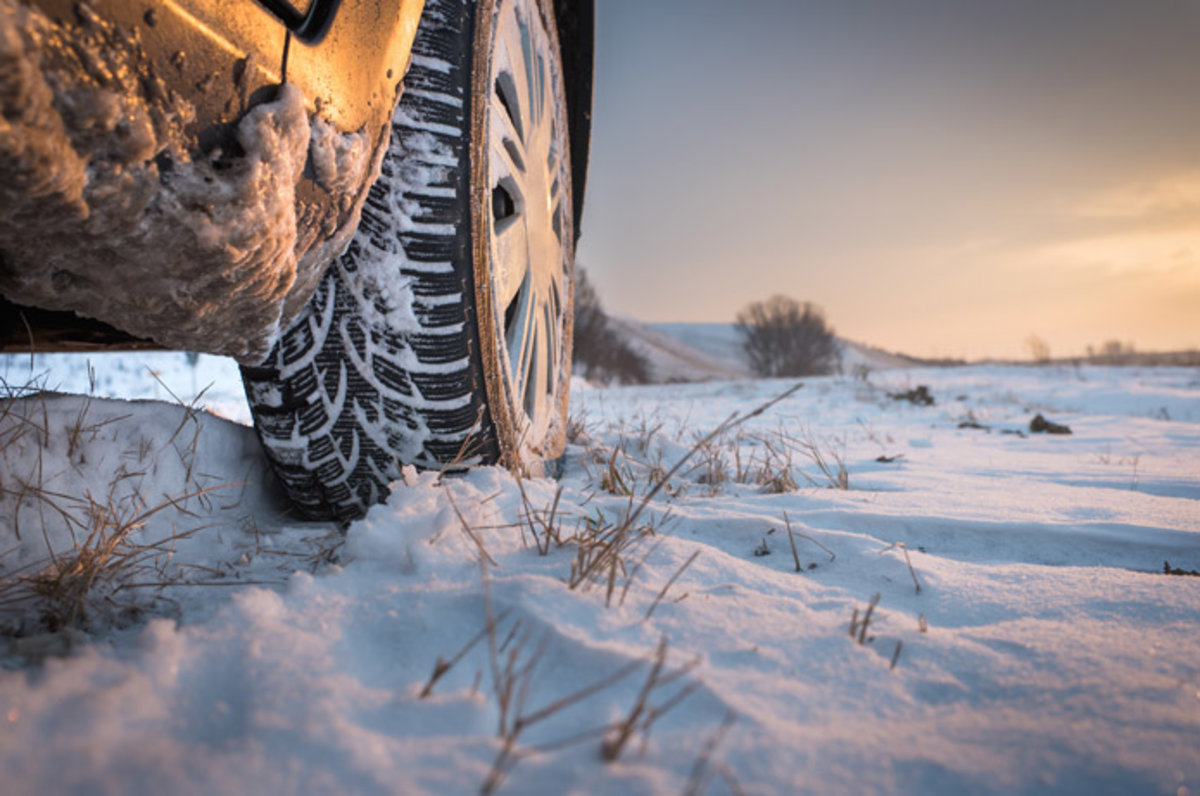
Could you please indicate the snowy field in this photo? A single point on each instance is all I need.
(847, 593)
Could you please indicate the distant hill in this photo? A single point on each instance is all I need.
(706, 351)
(675, 356)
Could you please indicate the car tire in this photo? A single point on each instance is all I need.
(442, 336)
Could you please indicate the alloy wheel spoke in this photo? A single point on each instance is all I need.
(510, 261)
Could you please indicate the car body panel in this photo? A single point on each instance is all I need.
(158, 187)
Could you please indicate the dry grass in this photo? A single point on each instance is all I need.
(604, 546)
(859, 627)
(74, 587)
(515, 665)
(829, 457)
(907, 560)
(702, 769)
(100, 563)
(792, 534)
(663, 593)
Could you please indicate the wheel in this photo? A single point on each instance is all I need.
(442, 336)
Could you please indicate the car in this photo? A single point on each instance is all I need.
(372, 205)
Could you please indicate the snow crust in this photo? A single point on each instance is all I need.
(1046, 651)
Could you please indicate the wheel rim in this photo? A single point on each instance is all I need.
(529, 228)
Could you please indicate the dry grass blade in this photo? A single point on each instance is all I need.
(466, 450)
(613, 481)
(671, 582)
(699, 776)
(792, 542)
(545, 520)
(904, 548)
(642, 715)
(511, 686)
(441, 666)
(858, 628)
(792, 534)
(470, 532)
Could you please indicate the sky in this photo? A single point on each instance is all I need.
(944, 178)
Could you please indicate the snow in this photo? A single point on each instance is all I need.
(1045, 650)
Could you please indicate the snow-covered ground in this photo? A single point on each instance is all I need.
(1035, 645)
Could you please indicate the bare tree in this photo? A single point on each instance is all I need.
(782, 337)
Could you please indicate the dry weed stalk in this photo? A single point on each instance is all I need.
(106, 555)
(514, 674)
(713, 472)
(613, 480)
(512, 679)
(466, 453)
(774, 475)
(829, 459)
(578, 430)
(601, 550)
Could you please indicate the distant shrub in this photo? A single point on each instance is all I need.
(1113, 352)
(782, 337)
(1039, 349)
(598, 351)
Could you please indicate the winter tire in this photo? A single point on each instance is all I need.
(442, 335)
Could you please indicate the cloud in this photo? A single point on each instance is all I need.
(1150, 228)
(1147, 253)
(1173, 197)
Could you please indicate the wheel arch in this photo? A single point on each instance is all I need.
(576, 22)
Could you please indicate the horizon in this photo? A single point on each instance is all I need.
(1131, 346)
(942, 179)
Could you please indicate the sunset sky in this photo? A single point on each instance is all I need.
(944, 178)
